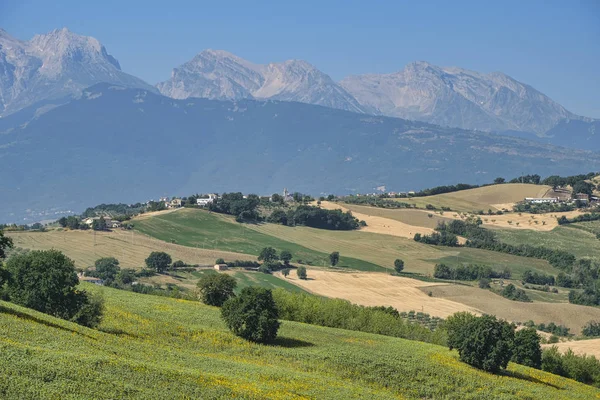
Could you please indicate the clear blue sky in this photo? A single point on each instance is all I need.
(552, 45)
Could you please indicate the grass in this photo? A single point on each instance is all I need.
(577, 239)
(482, 198)
(151, 347)
(245, 279)
(198, 228)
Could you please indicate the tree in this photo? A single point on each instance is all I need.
(277, 198)
(72, 222)
(583, 187)
(301, 272)
(483, 342)
(455, 326)
(285, 256)
(499, 181)
(216, 288)
(252, 315)
(62, 222)
(268, 255)
(334, 258)
(398, 265)
(220, 261)
(5, 244)
(178, 265)
(158, 261)
(484, 283)
(46, 281)
(99, 224)
(592, 328)
(285, 272)
(526, 348)
(107, 268)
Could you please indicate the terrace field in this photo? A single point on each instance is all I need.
(152, 347)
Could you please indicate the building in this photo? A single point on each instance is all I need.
(582, 197)
(203, 202)
(541, 200)
(287, 196)
(220, 267)
(109, 222)
(174, 203)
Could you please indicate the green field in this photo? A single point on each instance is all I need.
(483, 198)
(359, 250)
(152, 347)
(204, 230)
(577, 239)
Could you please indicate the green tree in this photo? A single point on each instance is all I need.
(268, 255)
(216, 288)
(178, 265)
(62, 222)
(301, 272)
(6, 243)
(252, 315)
(46, 281)
(285, 256)
(334, 258)
(99, 224)
(220, 261)
(285, 272)
(73, 222)
(277, 198)
(158, 261)
(592, 328)
(483, 342)
(398, 265)
(107, 268)
(455, 327)
(526, 348)
(499, 181)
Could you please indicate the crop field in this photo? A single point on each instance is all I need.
(129, 247)
(589, 347)
(580, 242)
(571, 315)
(359, 250)
(247, 278)
(494, 197)
(373, 289)
(152, 347)
(426, 219)
(201, 229)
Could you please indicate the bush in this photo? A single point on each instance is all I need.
(334, 258)
(219, 261)
(216, 288)
(512, 293)
(301, 271)
(484, 283)
(90, 310)
(592, 328)
(526, 348)
(252, 315)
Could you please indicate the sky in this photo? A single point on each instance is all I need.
(553, 46)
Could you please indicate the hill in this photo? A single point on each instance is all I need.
(117, 144)
(494, 197)
(150, 347)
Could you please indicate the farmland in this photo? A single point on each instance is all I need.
(589, 347)
(151, 347)
(494, 197)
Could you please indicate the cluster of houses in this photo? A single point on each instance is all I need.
(110, 223)
(582, 198)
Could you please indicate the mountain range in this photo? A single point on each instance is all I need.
(76, 130)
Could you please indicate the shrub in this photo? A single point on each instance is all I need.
(216, 288)
(592, 328)
(252, 315)
(484, 283)
(334, 258)
(219, 261)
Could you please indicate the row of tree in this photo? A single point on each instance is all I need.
(469, 272)
(315, 217)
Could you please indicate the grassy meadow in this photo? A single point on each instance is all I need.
(152, 347)
(579, 239)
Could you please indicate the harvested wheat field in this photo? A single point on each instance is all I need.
(589, 347)
(376, 289)
(570, 315)
(129, 247)
(381, 224)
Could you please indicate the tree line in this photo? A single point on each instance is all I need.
(469, 272)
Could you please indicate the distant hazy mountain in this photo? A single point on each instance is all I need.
(219, 75)
(457, 97)
(53, 66)
(120, 145)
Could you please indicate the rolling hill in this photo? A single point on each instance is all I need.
(151, 347)
(128, 145)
